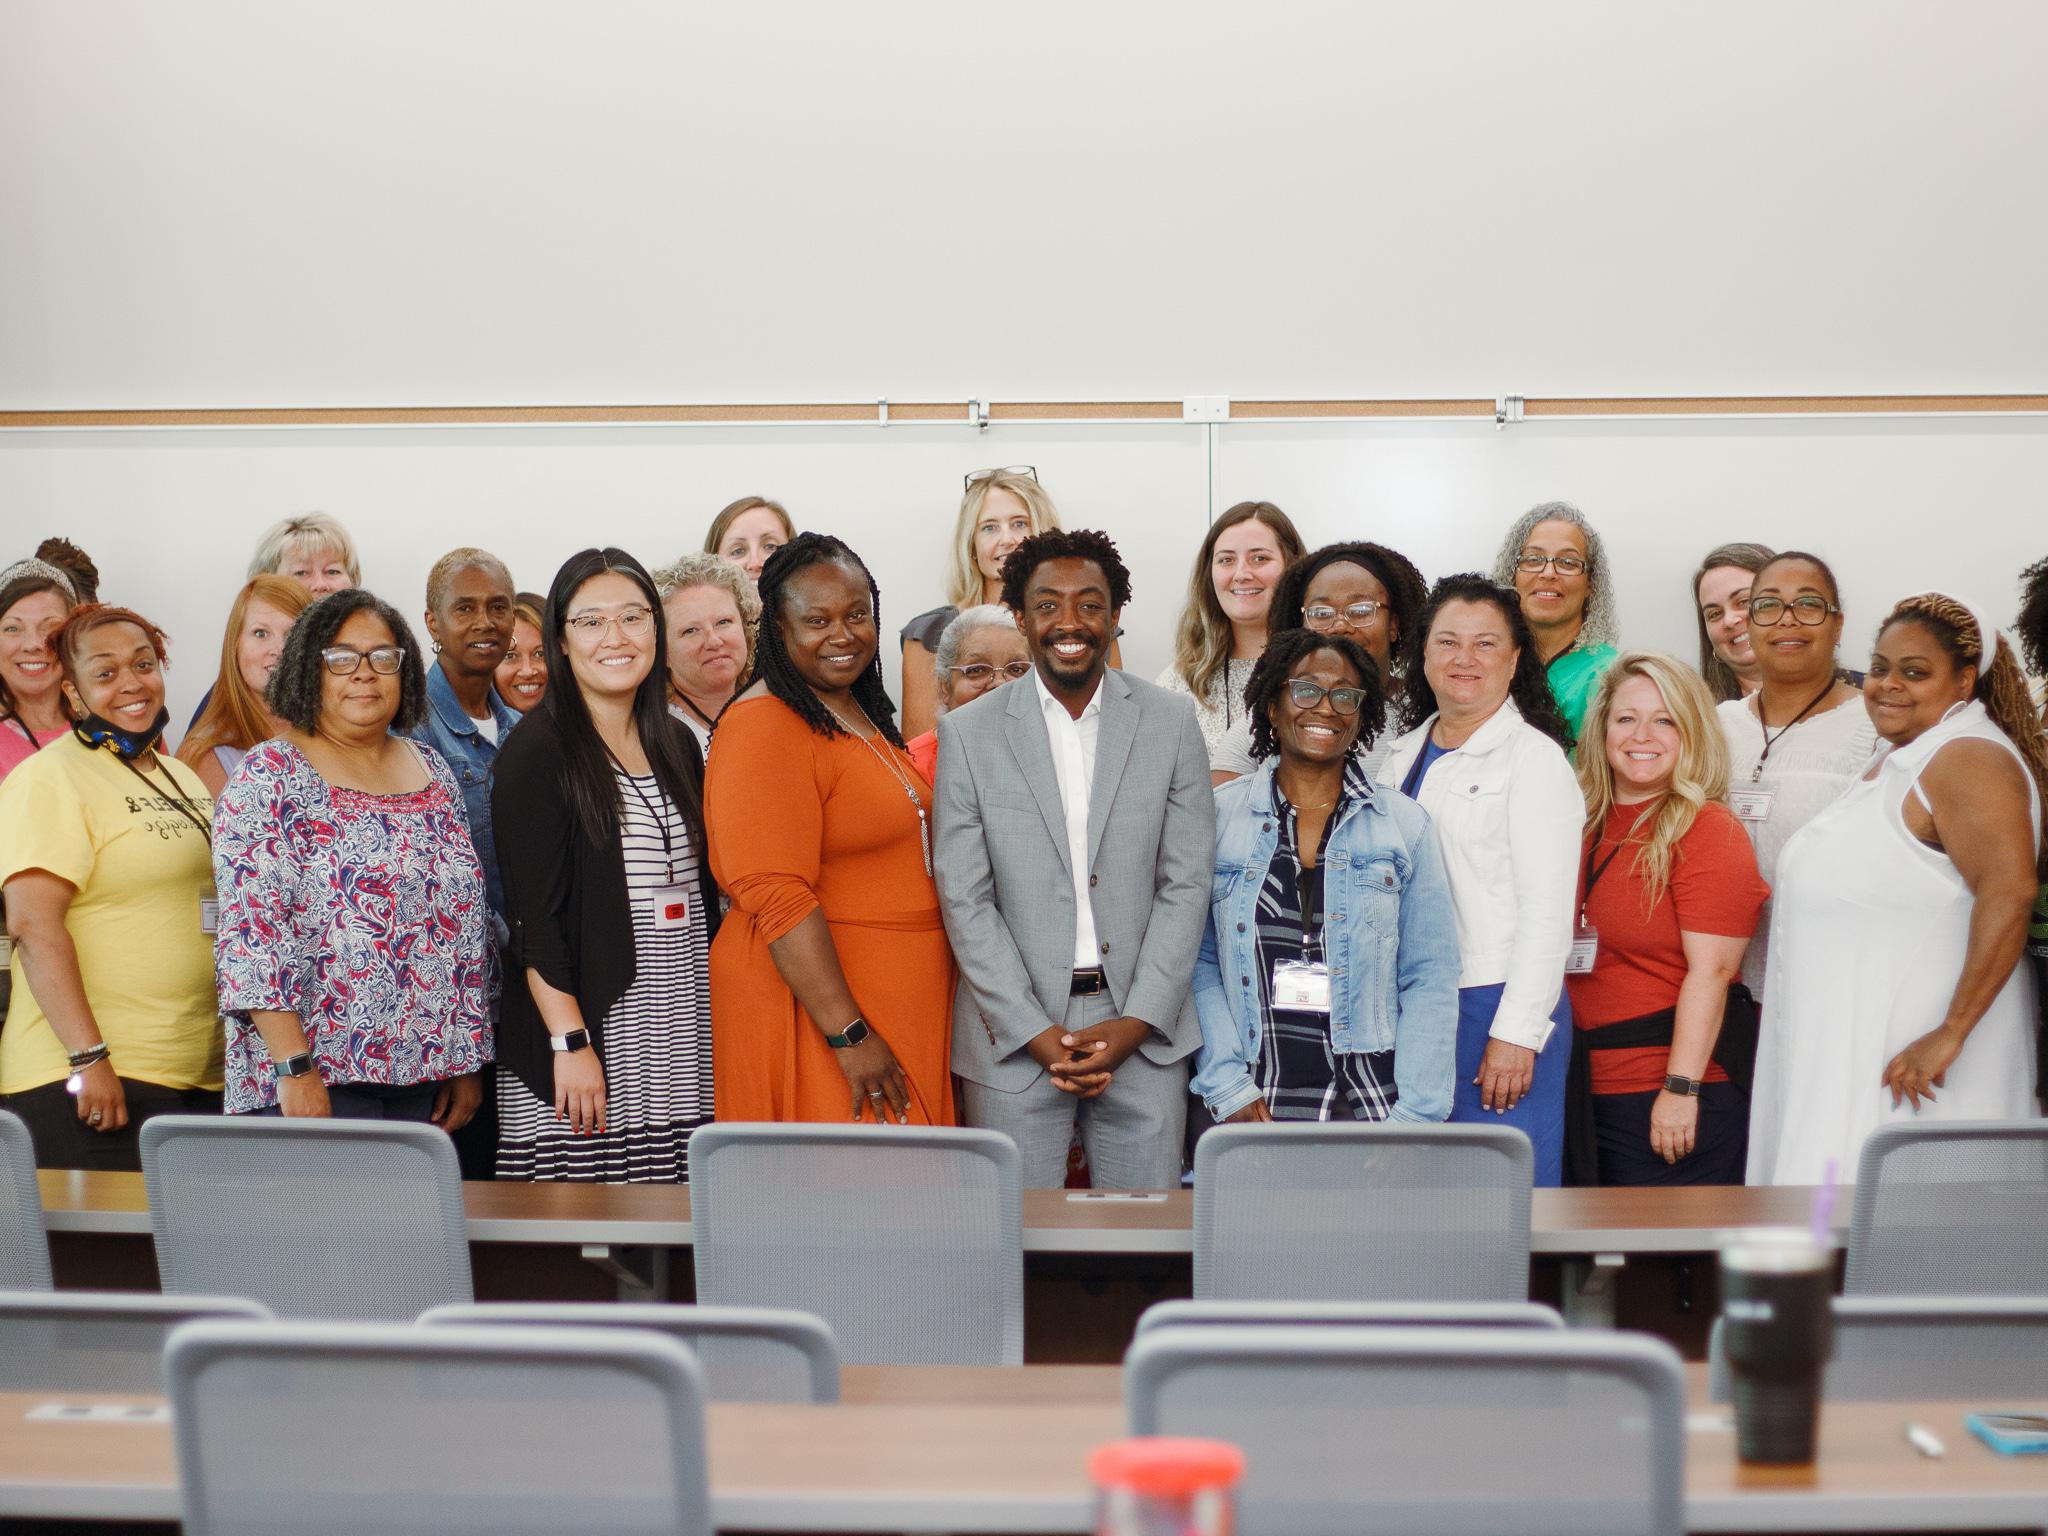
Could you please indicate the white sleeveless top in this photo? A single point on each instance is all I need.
(1868, 932)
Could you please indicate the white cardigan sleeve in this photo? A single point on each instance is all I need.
(1546, 817)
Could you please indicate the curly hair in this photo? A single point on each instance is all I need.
(295, 686)
(1275, 669)
(1597, 626)
(69, 640)
(1406, 590)
(700, 570)
(2032, 624)
(1064, 544)
(1529, 687)
(772, 663)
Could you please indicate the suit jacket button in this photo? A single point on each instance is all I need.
(1093, 881)
(1240, 927)
(1105, 949)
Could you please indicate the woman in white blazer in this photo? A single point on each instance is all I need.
(1486, 758)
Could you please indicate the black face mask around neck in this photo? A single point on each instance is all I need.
(98, 731)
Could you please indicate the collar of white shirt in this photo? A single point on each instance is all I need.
(1048, 701)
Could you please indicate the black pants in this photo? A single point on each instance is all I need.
(377, 1101)
(1720, 1148)
(63, 1140)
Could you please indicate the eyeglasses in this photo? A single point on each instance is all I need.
(1564, 565)
(346, 660)
(1808, 610)
(632, 622)
(981, 671)
(1027, 471)
(1307, 694)
(1322, 615)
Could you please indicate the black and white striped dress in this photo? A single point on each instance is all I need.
(657, 1036)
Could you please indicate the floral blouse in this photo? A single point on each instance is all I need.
(363, 914)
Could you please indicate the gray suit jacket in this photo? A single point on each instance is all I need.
(1006, 888)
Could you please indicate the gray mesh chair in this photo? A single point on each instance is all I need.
(749, 1354)
(337, 1429)
(907, 1240)
(1427, 1431)
(1984, 1347)
(1362, 1213)
(314, 1218)
(24, 1249)
(1349, 1314)
(1951, 1210)
(98, 1341)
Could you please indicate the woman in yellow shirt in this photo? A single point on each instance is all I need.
(109, 884)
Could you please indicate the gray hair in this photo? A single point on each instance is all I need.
(705, 570)
(292, 537)
(1598, 627)
(959, 627)
(454, 563)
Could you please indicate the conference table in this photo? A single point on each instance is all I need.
(1003, 1449)
(629, 1229)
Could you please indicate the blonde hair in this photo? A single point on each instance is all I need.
(963, 576)
(1701, 775)
(236, 716)
(733, 511)
(1202, 645)
(705, 570)
(294, 538)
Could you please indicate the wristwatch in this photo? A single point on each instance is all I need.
(575, 1040)
(853, 1034)
(294, 1066)
(1685, 1087)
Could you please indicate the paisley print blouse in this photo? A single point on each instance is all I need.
(363, 914)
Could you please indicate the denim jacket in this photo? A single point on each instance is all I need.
(449, 730)
(1389, 935)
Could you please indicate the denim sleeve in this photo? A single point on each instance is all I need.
(1223, 1072)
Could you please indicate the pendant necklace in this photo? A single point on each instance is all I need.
(924, 833)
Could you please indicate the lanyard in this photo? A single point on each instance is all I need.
(668, 851)
(1308, 880)
(169, 790)
(1593, 875)
(1770, 740)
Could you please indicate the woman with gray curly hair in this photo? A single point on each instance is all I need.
(979, 650)
(1554, 559)
(712, 614)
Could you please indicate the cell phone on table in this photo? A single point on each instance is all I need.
(2011, 1433)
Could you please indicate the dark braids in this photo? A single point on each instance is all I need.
(772, 664)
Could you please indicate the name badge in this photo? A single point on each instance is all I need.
(1751, 804)
(1584, 951)
(6, 950)
(1301, 986)
(671, 905)
(209, 914)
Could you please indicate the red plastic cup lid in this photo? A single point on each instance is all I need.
(1164, 1466)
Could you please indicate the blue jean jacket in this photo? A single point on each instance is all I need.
(449, 731)
(1389, 934)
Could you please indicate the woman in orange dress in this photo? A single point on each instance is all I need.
(831, 978)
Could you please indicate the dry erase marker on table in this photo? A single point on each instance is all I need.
(1128, 1196)
(1925, 1441)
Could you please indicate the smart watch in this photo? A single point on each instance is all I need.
(853, 1034)
(294, 1066)
(575, 1040)
(1686, 1087)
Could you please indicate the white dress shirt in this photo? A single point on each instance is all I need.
(1073, 764)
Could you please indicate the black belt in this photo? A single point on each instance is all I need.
(1088, 983)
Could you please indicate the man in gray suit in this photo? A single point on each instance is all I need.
(1076, 840)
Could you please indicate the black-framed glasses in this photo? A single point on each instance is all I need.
(1028, 471)
(1566, 564)
(346, 660)
(1807, 609)
(982, 671)
(1359, 614)
(1308, 693)
(632, 622)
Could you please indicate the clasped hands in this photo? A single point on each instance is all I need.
(1082, 1062)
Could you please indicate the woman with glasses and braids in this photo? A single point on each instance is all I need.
(831, 979)
(1796, 743)
(1554, 559)
(354, 959)
(1896, 991)
(1327, 980)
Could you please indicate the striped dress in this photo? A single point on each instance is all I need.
(657, 1036)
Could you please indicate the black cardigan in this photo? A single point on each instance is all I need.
(565, 897)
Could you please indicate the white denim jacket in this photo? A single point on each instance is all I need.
(1510, 819)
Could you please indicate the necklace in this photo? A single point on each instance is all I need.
(924, 832)
(1770, 739)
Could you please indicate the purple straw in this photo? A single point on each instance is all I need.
(1824, 1207)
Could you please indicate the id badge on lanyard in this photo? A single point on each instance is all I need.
(671, 905)
(209, 914)
(1585, 949)
(1301, 985)
(1751, 805)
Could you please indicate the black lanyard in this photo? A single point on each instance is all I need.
(1770, 740)
(169, 790)
(1593, 875)
(1308, 880)
(668, 851)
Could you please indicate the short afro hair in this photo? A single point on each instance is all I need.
(1022, 563)
(294, 694)
(2032, 625)
(1275, 669)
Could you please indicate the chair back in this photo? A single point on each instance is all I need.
(748, 1354)
(1984, 1347)
(98, 1341)
(356, 1219)
(1948, 1210)
(907, 1240)
(1427, 1431)
(336, 1429)
(1348, 1314)
(24, 1249)
(1346, 1212)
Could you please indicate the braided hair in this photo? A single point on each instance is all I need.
(2001, 687)
(1275, 670)
(1529, 687)
(772, 664)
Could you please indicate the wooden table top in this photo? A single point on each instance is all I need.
(1562, 1221)
(934, 1448)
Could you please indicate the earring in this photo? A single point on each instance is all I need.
(437, 647)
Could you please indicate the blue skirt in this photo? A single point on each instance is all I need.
(1540, 1114)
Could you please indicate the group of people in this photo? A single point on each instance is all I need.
(599, 865)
